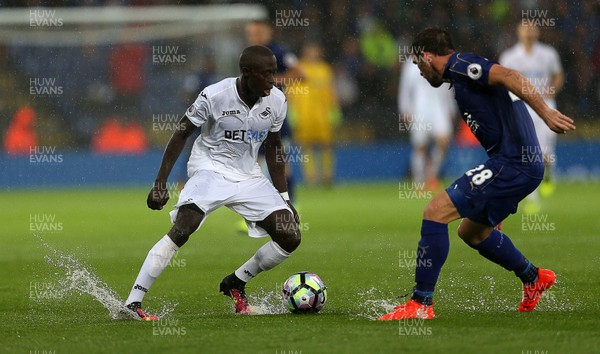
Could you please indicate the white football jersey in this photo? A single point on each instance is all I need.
(232, 132)
(538, 66)
(423, 102)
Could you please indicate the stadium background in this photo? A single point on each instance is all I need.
(364, 43)
(76, 227)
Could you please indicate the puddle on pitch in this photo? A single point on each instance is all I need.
(71, 277)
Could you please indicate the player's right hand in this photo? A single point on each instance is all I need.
(158, 196)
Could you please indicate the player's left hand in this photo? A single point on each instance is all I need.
(558, 122)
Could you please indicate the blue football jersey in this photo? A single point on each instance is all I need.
(285, 58)
(498, 118)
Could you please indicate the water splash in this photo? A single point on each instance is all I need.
(489, 296)
(556, 299)
(266, 302)
(475, 297)
(373, 303)
(76, 278)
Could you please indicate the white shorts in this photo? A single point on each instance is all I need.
(254, 199)
(424, 129)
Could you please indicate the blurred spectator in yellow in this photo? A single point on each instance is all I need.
(314, 112)
(21, 136)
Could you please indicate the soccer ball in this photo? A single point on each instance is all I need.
(304, 292)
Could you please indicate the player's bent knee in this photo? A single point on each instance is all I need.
(472, 236)
(467, 235)
(188, 220)
(289, 239)
(441, 209)
(462, 232)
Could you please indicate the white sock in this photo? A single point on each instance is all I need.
(417, 165)
(267, 257)
(156, 261)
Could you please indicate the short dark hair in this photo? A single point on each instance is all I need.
(250, 55)
(434, 40)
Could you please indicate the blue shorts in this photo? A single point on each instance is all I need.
(490, 192)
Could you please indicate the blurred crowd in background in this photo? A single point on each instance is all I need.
(115, 92)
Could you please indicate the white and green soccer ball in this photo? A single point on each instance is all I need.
(304, 292)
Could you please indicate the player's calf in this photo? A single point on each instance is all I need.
(156, 261)
(188, 219)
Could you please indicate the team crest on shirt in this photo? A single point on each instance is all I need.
(266, 113)
(474, 71)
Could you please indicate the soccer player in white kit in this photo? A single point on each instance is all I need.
(540, 64)
(237, 115)
(427, 112)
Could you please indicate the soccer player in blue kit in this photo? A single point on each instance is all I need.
(490, 98)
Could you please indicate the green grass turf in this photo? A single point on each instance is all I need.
(358, 238)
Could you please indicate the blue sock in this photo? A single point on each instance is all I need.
(499, 249)
(431, 254)
(529, 275)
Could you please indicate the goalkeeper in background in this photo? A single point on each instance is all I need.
(314, 128)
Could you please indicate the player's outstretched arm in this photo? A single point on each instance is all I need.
(159, 195)
(520, 86)
(275, 157)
